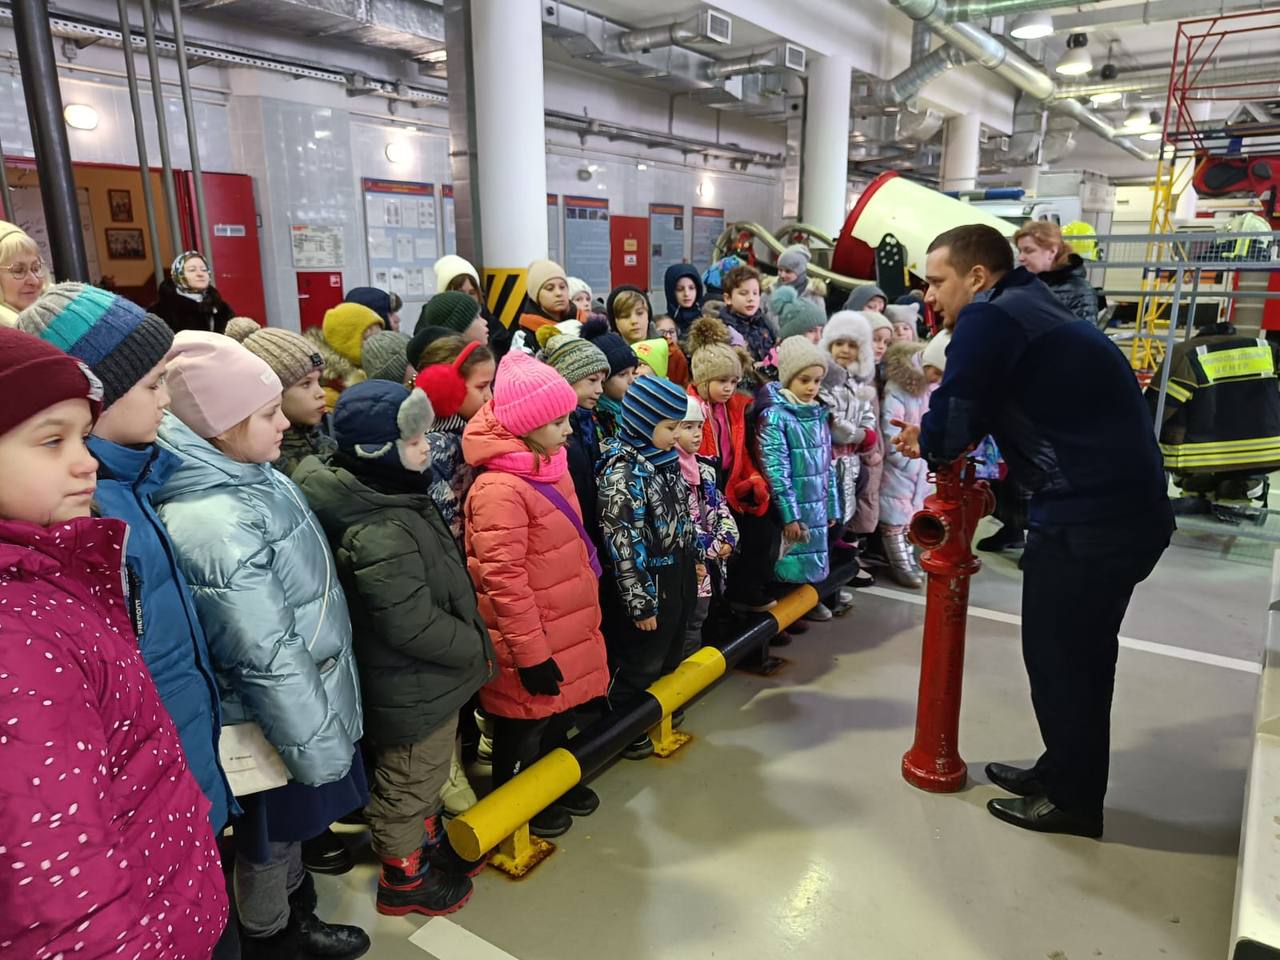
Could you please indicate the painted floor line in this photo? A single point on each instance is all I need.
(445, 940)
(1130, 643)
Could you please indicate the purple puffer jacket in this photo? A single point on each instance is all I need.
(107, 849)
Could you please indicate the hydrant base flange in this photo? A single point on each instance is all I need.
(932, 780)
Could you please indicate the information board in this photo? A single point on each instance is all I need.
(708, 224)
(446, 214)
(586, 241)
(666, 248)
(316, 245)
(402, 240)
(553, 227)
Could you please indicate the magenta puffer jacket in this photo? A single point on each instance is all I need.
(106, 849)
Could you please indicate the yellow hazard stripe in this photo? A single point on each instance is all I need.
(1251, 361)
(1191, 456)
(1227, 446)
(506, 291)
(1179, 393)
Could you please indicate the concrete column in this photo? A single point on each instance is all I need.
(960, 152)
(825, 172)
(511, 146)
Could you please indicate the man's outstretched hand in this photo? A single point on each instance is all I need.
(908, 441)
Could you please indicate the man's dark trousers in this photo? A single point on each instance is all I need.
(1078, 580)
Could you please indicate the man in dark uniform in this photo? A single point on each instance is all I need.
(1066, 411)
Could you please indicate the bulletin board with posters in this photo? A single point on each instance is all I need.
(401, 234)
(586, 240)
(708, 224)
(666, 247)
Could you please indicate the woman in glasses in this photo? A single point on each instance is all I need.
(23, 275)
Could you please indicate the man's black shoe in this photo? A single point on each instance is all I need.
(1039, 814)
(1007, 537)
(326, 854)
(579, 801)
(1016, 780)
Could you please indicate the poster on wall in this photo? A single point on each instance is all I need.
(401, 238)
(586, 240)
(708, 224)
(316, 245)
(446, 215)
(553, 227)
(666, 247)
(28, 213)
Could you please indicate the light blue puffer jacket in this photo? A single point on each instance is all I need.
(268, 596)
(794, 442)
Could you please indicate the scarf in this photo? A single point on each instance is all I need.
(180, 279)
(689, 467)
(529, 466)
(723, 434)
(800, 283)
(791, 398)
(609, 412)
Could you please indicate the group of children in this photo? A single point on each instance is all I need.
(330, 547)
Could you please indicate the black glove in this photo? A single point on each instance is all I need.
(543, 678)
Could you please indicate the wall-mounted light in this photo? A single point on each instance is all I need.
(1076, 61)
(706, 189)
(1032, 26)
(80, 116)
(397, 151)
(642, 166)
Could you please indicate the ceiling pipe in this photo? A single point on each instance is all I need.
(980, 9)
(1158, 79)
(907, 84)
(1137, 14)
(921, 41)
(751, 63)
(1011, 66)
(689, 30)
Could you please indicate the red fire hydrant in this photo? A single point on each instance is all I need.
(944, 530)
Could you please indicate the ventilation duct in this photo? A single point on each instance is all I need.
(907, 84)
(1011, 66)
(1028, 131)
(1226, 75)
(918, 126)
(983, 9)
(1136, 14)
(1059, 138)
(706, 26)
(653, 139)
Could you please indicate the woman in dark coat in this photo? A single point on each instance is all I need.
(188, 298)
(1042, 251)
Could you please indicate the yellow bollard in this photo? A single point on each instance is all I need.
(520, 853)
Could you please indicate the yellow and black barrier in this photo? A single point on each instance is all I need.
(506, 289)
(501, 819)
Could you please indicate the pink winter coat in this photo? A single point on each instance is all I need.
(537, 593)
(105, 849)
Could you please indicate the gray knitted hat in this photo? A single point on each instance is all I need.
(290, 355)
(574, 358)
(795, 258)
(383, 356)
(794, 355)
(116, 339)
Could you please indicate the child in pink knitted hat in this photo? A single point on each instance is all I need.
(536, 575)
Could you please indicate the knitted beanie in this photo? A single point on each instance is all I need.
(577, 286)
(422, 338)
(373, 417)
(385, 357)
(862, 295)
(291, 355)
(451, 309)
(451, 266)
(114, 338)
(34, 375)
(214, 383)
(712, 357)
(572, 357)
(796, 315)
(620, 356)
(899, 313)
(935, 352)
(878, 321)
(528, 394)
(693, 412)
(649, 401)
(344, 327)
(379, 301)
(796, 354)
(540, 272)
(795, 258)
(655, 353)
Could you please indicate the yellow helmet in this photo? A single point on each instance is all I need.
(1086, 246)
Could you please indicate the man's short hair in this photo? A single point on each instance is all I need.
(974, 244)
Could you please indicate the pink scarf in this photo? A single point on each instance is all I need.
(689, 467)
(530, 466)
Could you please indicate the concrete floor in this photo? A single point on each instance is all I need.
(784, 829)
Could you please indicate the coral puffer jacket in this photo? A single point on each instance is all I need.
(537, 592)
(107, 850)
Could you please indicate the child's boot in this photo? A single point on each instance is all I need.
(902, 559)
(409, 885)
(457, 795)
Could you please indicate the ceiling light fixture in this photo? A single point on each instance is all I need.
(1108, 75)
(1136, 119)
(1032, 26)
(1076, 61)
(80, 116)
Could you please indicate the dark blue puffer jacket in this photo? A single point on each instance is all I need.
(683, 316)
(169, 634)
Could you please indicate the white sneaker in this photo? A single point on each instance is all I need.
(846, 596)
(456, 794)
(819, 614)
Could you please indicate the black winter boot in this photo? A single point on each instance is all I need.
(440, 855)
(407, 885)
(332, 941)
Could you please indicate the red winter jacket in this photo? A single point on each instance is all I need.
(536, 590)
(746, 488)
(116, 856)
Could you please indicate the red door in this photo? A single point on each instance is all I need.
(317, 292)
(629, 251)
(233, 228)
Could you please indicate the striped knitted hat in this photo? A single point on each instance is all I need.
(649, 401)
(573, 358)
(291, 355)
(118, 340)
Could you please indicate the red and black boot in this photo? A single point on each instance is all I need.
(409, 885)
(439, 852)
